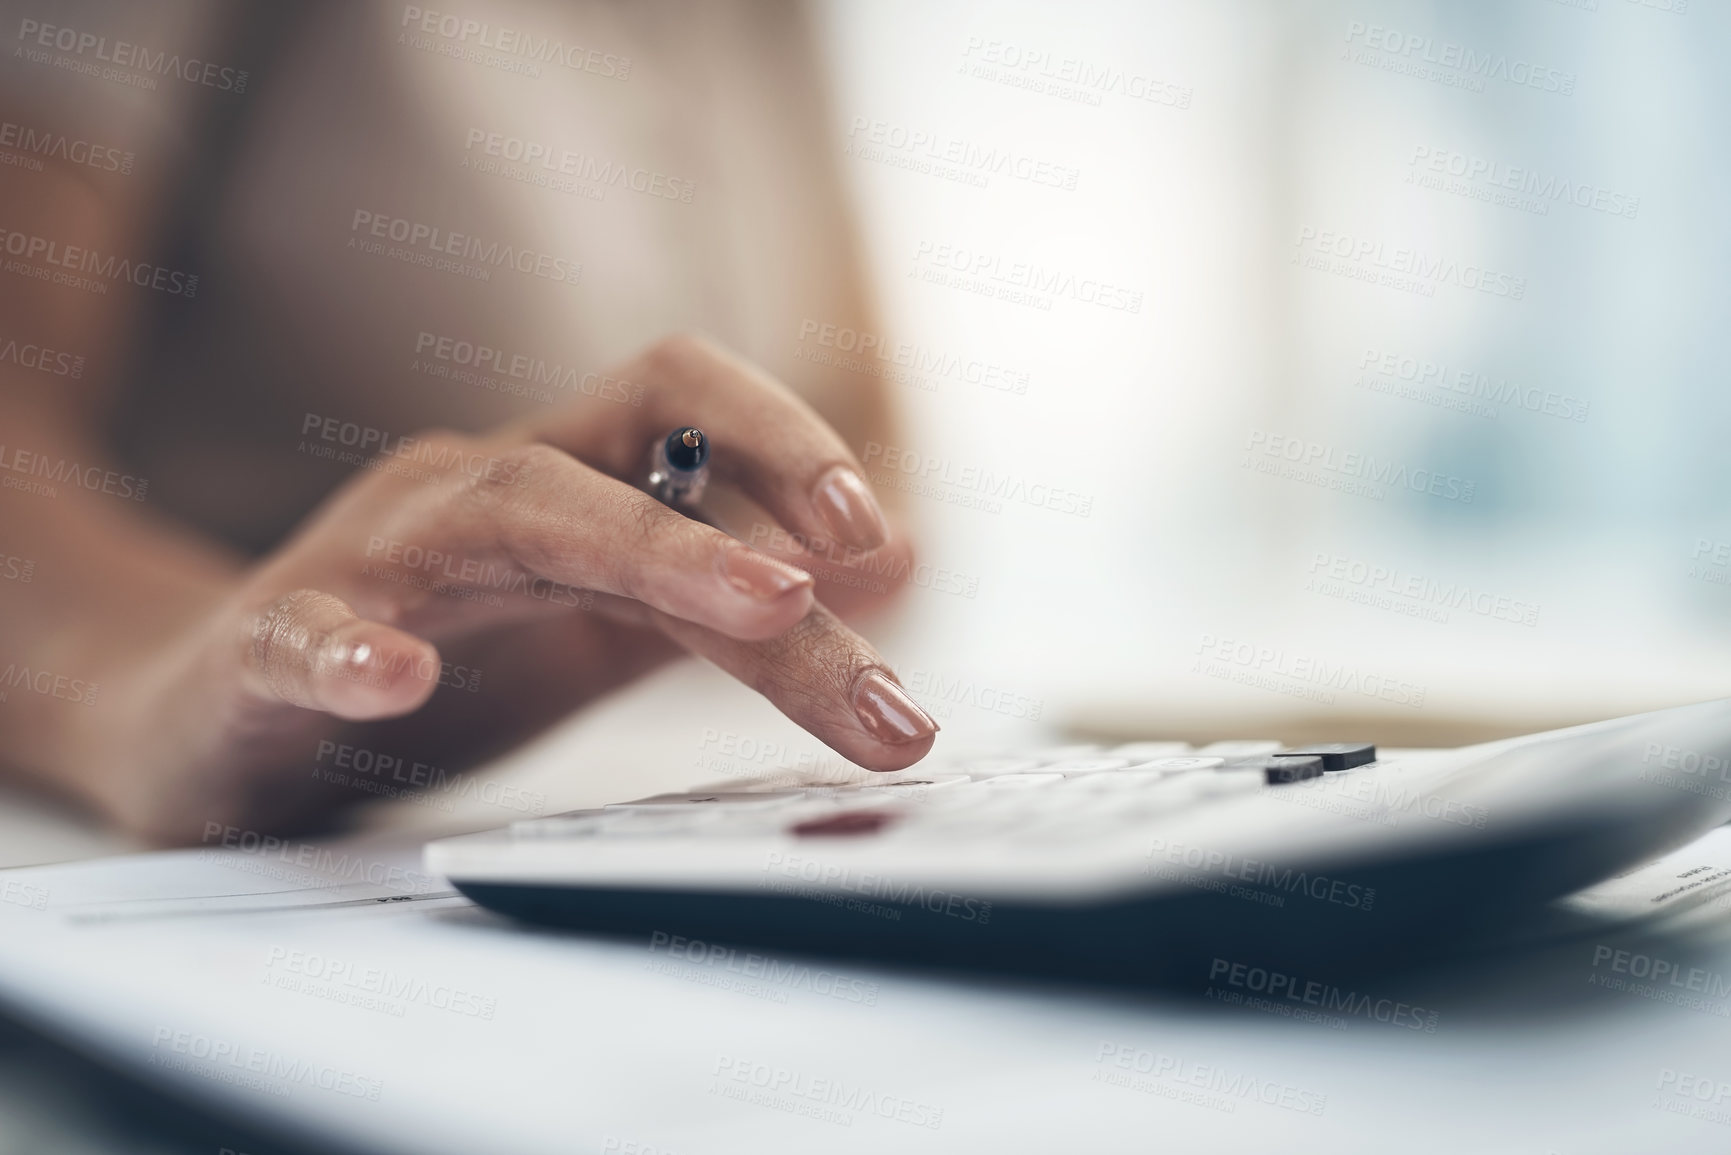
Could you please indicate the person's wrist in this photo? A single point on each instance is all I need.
(141, 670)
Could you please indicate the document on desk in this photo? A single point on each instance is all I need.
(273, 875)
(337, 991)
(1696, 877)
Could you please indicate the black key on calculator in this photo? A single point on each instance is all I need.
(1336, 756)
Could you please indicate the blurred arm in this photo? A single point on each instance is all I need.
(107, 577)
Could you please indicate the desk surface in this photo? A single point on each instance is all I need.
(484, 1036)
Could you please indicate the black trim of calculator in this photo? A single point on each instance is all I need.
(1424, 905)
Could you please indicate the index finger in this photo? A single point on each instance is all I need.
(826, 678)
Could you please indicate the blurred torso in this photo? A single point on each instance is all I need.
(419, 224)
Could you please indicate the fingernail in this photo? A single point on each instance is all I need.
(886, 711)
(850, 510)
(760, 577)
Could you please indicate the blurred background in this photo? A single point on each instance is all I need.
(1478, 243)
(1303, 370)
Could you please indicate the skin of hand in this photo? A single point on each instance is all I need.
(521, 565)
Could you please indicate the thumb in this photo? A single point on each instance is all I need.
(309, 649)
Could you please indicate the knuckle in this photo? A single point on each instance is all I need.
(680, 362)
(423, 456)
(438, 435)
(511, 470)
(433, 445)
(282, 635)
(777, 678)
(499, 507)
(820, 656)
(504, 477)
(678, 351)
(275, 623)
(655, 538)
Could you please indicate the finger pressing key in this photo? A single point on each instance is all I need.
(826, 678)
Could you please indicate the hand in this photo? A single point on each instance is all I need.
(521, 565)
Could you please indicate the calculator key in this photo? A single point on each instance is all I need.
(1242, 748)
(793, 781)
(1022, 781)
(1285, 768)
(849, 823)
(961, 797)
(1059, 753)
(1178, 765)
(985, 767)
(1085, 765)
(1337, 756)
(915, 787)
(1058, 800)
(1142, 751)
(1117, 782)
